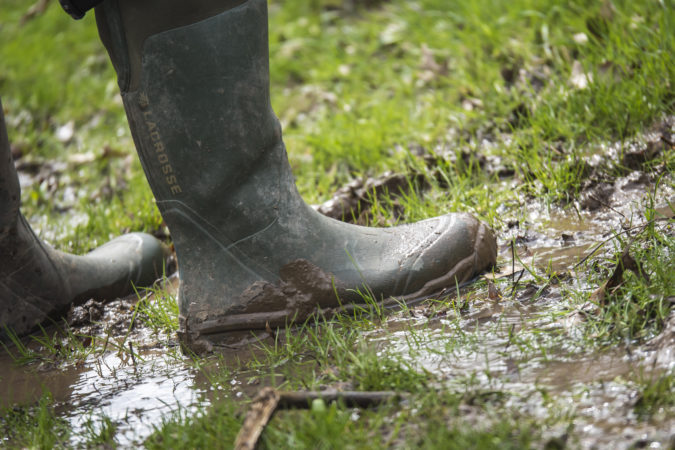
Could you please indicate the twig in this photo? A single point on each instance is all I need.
(513, 261)
(269, 400)
(351, 399)
(606, 205)
(515, 284)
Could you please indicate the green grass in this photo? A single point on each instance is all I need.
(216, 428)
(40, 427)
(34, 427)
(158, 309)
(99, 432)
(637, 309)
(52, 346)
(343, 119)
(439, 90)
(434, 422)
(656, 394)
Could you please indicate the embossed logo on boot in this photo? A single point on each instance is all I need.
(158, 145)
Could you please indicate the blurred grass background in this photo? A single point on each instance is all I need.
(361, 88)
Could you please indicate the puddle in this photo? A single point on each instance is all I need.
(136, 393)
(522, 345)
(519, 344)
(135, 397)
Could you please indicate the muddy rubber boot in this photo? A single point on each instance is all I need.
(195, 83)
(37, 282)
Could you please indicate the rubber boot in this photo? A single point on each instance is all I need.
(37, 282)
(252, 255)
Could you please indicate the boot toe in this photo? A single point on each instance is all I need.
(144, 254)
(462, 248)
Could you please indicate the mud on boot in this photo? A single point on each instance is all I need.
(251, 253)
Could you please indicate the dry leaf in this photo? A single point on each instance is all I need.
(493, 291)
(627, 262)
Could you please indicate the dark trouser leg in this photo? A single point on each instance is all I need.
(78, 8)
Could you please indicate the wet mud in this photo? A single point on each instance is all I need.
(516, 335)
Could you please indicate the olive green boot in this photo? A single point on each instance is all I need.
(37, 282)
(251, 254)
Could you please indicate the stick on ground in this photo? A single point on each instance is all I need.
(269, 400)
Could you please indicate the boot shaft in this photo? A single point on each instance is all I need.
(199, 111)
(124, 25)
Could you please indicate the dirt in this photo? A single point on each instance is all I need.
(351, 202)
(595, 387)
(599, 190)
(502, 324)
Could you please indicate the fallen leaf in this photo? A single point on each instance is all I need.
(625, 263)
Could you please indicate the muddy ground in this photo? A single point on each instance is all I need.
(548, 254)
